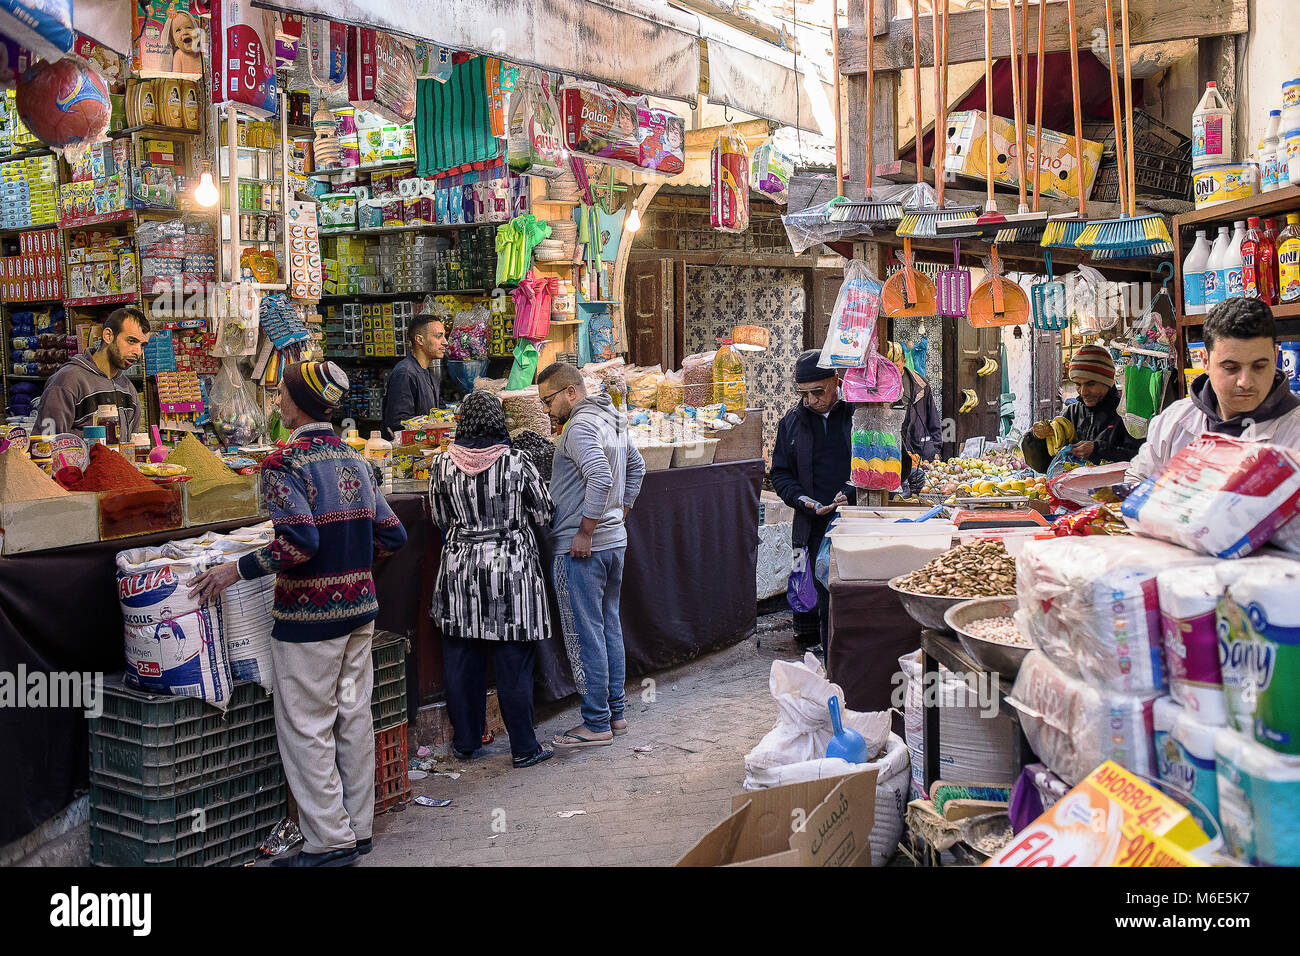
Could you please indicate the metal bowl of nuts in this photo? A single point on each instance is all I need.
(977, 569)
(987, 629)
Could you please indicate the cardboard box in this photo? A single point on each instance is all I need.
(1112, 818)
(837, 816)
(1056, 165)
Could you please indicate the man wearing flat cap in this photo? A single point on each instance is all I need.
(330, 523)
(811, 461)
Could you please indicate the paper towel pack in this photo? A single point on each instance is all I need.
(1091, 605)
(1185, 759)
(1073, 726)
(1259, 801)
(1189, 599)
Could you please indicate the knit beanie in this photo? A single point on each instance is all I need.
(316, 387)
(807, 370)
(1092, 363)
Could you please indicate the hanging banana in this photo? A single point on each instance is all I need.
(971, 401)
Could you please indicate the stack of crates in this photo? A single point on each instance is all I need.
(173, 782)
(388, 708)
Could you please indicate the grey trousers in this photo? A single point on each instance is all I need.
(327, 736)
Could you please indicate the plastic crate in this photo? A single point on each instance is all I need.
(232, 843)
(161, 720)
(1162, 160)
(388, 697)
(160, 819)
(392, 785)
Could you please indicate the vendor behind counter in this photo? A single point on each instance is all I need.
(75, 391)
(413, 387)
(1099, 431)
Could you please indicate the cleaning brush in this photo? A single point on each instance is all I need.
(868, 211)
(1062, 233)
(942, 794)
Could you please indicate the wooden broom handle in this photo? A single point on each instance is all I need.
(941, 172)
(988, 101)
(1078, 111)
(1128, 110)
(871, 97)
(1115, 110)
(916, 85)
(1038, 102)
(835, 67)
(935, 155)
(1017, 113)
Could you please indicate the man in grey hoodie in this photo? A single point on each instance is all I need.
(596, 477)
(74, 392)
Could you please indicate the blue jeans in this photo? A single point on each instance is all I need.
(588, 590)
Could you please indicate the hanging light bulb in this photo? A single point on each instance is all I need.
(633, 221)
(205, 193)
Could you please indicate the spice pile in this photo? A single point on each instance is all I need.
(999, 630)
(203, 467)
(978, 569)
(22, 480)
(106, 470)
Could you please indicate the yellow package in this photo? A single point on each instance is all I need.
(1112, 818)
(1058, 174)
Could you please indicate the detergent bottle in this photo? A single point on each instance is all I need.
(379, 452)
(1234, 274)
(1211, 130)
(1195, 268)
(1216, 282)
(1273, 169)
(1288, 260)
(1257, 256)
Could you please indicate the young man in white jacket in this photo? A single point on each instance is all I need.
(1242, 394)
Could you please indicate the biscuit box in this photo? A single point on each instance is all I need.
(1057, 172)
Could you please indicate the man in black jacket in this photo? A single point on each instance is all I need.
(412, 388)
(1099, 432)
(811, 461)
(922, 426)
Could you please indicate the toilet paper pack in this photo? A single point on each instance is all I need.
(1259, 633)
(1259, 801)
(1185, 759)
(1189, 599)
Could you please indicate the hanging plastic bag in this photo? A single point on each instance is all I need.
(235, 412)
(327, 54)
(471, 333)
(600, 123)
(877, 463)
(525, 367)
(535, 135)
(600, 333)
(800, 590)
(772, 170)
(852, 333)
(729, 182)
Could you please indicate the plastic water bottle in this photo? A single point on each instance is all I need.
(1269, 176)
(1234, 266)
(1211, 130)
(1216, 283)
(379, 452)
(1195, 268)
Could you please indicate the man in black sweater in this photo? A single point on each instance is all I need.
(412, 388)
(811, 461)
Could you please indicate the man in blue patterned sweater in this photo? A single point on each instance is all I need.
(330, 525)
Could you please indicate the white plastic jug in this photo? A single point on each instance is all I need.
(1234, 266)
(1194, 272)
(1273, 169)
(379, 452)
(1211, 130)
(1215, 279)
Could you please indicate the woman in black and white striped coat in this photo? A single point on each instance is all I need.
(490, 596)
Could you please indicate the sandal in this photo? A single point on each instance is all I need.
(572, 740)
(540, 754)
(618, 731)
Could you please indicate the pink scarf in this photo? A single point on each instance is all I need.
(472, 461)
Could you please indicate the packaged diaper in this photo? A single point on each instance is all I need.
(1091, 605)
(600, 123)
(1073, 726)
(1219, 495)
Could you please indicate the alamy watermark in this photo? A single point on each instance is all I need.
(36, 689)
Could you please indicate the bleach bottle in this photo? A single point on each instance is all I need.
(1211, 130)
(1195, 268)
(1234, 264)
(1216, 282)
(1274, 171)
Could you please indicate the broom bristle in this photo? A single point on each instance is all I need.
(1062, 233)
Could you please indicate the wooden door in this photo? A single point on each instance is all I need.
(825, 286)
(1046, 375)
(964, 350)
(649, 294)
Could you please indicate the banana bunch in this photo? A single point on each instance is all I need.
(971, 401)
(988, 368)
(1062, 434)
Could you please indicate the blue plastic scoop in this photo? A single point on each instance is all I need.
(847, 744)
(920, 518)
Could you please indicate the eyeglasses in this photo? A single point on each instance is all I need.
(811, 392)
(547, 399)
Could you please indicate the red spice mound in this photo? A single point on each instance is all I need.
(109, 471)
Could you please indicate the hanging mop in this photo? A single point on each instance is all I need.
(1062, 231)
(1127, 236)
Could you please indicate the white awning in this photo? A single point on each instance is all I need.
(643, 45)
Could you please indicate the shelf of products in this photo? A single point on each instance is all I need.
(372, 168)
(81, 222)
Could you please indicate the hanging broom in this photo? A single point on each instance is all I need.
(1029, 226)
(1126, 236)
(866, 211)
(1061, 232)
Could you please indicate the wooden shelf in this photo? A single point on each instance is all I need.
(1286, 199)
(1280, 312)
(372, 168)
(122, 215)
(415, 227)
(92, 300)
(332, 297)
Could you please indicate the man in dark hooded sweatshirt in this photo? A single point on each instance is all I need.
(1242, 394)
(1099, 432)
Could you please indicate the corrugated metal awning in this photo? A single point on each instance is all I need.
(643, 45)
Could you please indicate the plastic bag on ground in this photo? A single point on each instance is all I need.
(803, 727)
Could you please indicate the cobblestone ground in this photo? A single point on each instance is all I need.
(637, 808)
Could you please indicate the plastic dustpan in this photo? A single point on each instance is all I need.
(847, 744)
(908, 292)
(879, 381)
(953, 286)
(1050, 311)
(998, 301)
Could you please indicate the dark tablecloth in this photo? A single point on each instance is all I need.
(688, 588)
(869, 632)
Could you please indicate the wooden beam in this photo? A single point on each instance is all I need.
(619, 279)
(731, 257)
(1150, 21)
